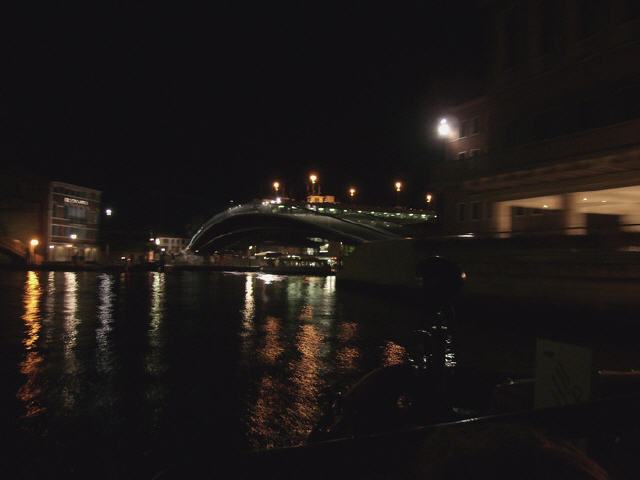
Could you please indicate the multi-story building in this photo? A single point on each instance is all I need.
(73, 223)
(171, 244)
(48, 221)
(554, 143)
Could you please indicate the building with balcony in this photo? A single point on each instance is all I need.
(553, 145)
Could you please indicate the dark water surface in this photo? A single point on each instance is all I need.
(121, 375)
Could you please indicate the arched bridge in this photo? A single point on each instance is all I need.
(268, 219)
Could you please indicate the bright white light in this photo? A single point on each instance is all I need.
(278, 200)
(73, 236)
(108, 212)
(157, 241)
(444, 130)
(34, 242)
(398, 186)
(585, 199)
(545, 206)
(163, 249)
(51, 246)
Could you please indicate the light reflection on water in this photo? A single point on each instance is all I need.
(69, 341)
(29, 392)
(163, 354)
(105, 322)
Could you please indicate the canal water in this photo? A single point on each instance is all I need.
(119, 375)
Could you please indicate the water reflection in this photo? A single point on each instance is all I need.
(70, 339)
(348, 354)
(272, 347)
(393, 354)
(156, 313)
(306, 377)
(105, 321)
(30, 392)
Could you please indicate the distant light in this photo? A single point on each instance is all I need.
(123, 258)
(352, 192)
(313, 177)
(429, 197)
(73, 236)
(398, 186)
(466, 235)
(51, 246)
(444, 129)
(152, 239)
(545, 206)
(163, 249)
(34, 242)
(276, 186)
(604, 201)
(585, 199)
(157, 241)
(108, 211)
(278, 200)
(68, 245)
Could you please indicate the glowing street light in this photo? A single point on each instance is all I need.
(352, 193)
(108, 212)
(313, 178)
(276, 187)
(444, 129)
(398, 187)
(428, 197)
(34, 242)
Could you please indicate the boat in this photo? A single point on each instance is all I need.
(283, 264)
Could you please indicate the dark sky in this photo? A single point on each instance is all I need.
(173, 112)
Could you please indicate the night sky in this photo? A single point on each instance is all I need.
(173, 112)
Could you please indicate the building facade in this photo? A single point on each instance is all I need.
(73, 223)
(553, 146)
(171, 244)
(41, 220)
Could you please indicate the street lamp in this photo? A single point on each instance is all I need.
(313, 178)
(352, 193)
(276, 187)
(444, 129)
(428, 197)
(398, 187)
